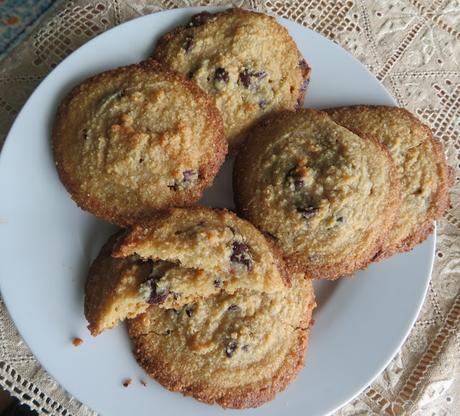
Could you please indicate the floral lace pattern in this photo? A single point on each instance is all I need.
(413, 47)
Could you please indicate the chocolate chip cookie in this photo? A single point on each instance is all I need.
(237, 350)
(245, 60)
(421, 166)
(215, 313)
(326, 195)
(136, 139)
(180, 255)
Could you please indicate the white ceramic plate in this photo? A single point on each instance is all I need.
(47, 244)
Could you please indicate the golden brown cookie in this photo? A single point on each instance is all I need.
(421, 166)
(136, 139)
(326, 195)
(235, 350)
(245, 60)
(213, 314)
(181, 254)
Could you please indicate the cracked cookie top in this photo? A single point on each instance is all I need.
(245, 60)
(136, 139)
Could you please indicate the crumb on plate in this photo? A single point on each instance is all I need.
(77, 341)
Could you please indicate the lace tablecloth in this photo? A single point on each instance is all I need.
(413, 47)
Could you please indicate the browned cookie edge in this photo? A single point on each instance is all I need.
(441, 198)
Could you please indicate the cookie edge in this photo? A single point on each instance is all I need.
(420, 231)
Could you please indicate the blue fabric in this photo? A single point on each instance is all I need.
(16, 16)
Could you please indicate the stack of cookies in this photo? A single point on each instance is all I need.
(214, 311)
(219, 307)
(339, 189)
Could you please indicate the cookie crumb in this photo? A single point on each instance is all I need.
(127, 382)
(77, 341)
(143, 382)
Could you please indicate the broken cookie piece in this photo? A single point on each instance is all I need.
(181, 255)
(210, 307)
(216, 241)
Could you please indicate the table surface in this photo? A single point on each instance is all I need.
(412, 47)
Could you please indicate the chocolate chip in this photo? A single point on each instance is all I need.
(217, 283)
(240, 254)
(340, 219)
(303, 64)
(168, 332)
(188, 177)
(293, 177)
(231, 348)
(188, 310)
(307, 212)
(141, 160)
(298, 184)
(233, 308)
(199, 19)
(263, 103)
(304, 85)
(188, 43)
(157, 295)
(220, 74)
(303, 88)
(249, 78)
